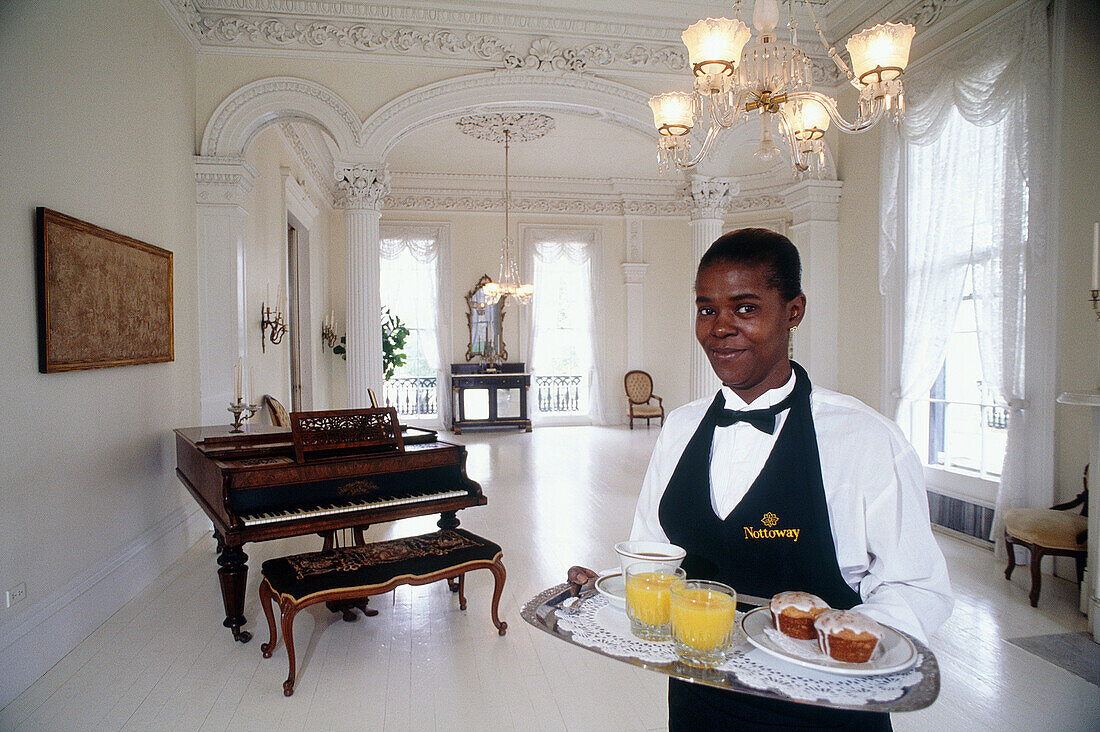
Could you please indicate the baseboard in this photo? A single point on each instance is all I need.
(58, 624)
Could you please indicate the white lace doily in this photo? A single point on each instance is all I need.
(598, 625)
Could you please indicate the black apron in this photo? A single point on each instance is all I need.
(777, 538)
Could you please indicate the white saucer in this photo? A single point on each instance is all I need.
(894, 653)
(613, 587)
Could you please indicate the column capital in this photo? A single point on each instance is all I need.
(224, 181)
(814, 200)
(361, 186)
(711, 196)
(634, 272)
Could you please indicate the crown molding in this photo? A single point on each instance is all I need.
(459, 38)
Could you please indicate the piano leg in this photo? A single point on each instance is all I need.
(449, 520)
(232, 574)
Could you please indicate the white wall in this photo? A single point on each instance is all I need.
(96, 119)
(266, 265)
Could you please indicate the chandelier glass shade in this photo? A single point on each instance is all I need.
(507, 283)
(737, 73)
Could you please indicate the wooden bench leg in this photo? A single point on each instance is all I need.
(289, 610)
(462, 591)
(1036, 575)
(1010, 549)
(497, 568)
(267, 599)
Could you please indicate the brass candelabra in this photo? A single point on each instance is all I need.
(241, 413)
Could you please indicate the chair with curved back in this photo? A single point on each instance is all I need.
(276, 411)
(1052, 531)
(639, 395)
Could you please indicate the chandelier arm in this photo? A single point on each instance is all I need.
(796, 154)
(736, 112)
(860, 125)
(833, 54)
(712, 133)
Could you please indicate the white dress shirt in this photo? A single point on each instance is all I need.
(874, 489)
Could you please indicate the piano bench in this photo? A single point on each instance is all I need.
(358, 572)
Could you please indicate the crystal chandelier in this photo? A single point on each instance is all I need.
(507, 282)
(736, 74)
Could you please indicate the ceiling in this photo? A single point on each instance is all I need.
(639, 41)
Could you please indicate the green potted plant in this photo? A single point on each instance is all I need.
(394, 336)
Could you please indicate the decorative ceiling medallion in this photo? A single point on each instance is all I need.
(520, 126)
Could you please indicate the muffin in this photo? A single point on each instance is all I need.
(794, 613)
(846, 635)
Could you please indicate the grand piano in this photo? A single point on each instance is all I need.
(331, 470)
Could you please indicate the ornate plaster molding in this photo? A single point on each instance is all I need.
(247, 110)
(633, 239)
(590, 204)
(223, 181)
(927, 12)
(520, 126)
(361, 187)
(634, 272)
(710, 197)
(515, 42)
(322, 182)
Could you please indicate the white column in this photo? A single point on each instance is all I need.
(633, 280)
(814, 207)
(709, 198)
(221, 188)
(359, 191)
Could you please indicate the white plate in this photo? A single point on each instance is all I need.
(894, 652)
(612, 586)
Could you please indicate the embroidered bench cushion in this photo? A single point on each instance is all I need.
(376, 564)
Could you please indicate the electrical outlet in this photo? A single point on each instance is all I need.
(15, 594)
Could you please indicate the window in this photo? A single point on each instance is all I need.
(409, 290)
(562, 314)
(956, 193)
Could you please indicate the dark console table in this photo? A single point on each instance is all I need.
(485, 398)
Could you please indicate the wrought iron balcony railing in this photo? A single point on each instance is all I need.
(412, 396)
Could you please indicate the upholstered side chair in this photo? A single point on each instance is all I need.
(640, 398)
(1053, 531)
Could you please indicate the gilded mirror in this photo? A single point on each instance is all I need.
(485, 322)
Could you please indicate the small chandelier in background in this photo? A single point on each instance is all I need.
(507, 128)
(736, 74)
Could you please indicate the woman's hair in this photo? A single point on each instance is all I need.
(759, 247)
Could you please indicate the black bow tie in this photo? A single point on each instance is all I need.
(761, 419)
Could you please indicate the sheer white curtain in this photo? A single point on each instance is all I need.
(413, 287)
(996, 75)
(573, 289)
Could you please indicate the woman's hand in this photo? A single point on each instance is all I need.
(577, 577)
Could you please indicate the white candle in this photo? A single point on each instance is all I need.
(1096, 256)
(237, 379)
(267, 294)
(251, 393)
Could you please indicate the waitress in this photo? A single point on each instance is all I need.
(772, 451)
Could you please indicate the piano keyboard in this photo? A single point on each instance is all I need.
(332, 509)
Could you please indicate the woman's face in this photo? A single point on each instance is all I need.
(743, 325)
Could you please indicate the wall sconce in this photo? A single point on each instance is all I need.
(271, 319)
(328, 330)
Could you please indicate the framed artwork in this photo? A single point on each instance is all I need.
(104, 299)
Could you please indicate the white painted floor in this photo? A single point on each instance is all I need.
(557, 496)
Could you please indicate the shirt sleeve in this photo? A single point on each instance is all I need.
(904, 583)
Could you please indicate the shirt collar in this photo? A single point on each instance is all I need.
(765, 400)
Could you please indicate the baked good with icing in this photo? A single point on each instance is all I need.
(847, 635)
(794, 613)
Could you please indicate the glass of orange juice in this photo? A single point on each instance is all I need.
(702, 615)
(647, 597)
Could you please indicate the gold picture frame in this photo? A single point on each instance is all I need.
(104, 299)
